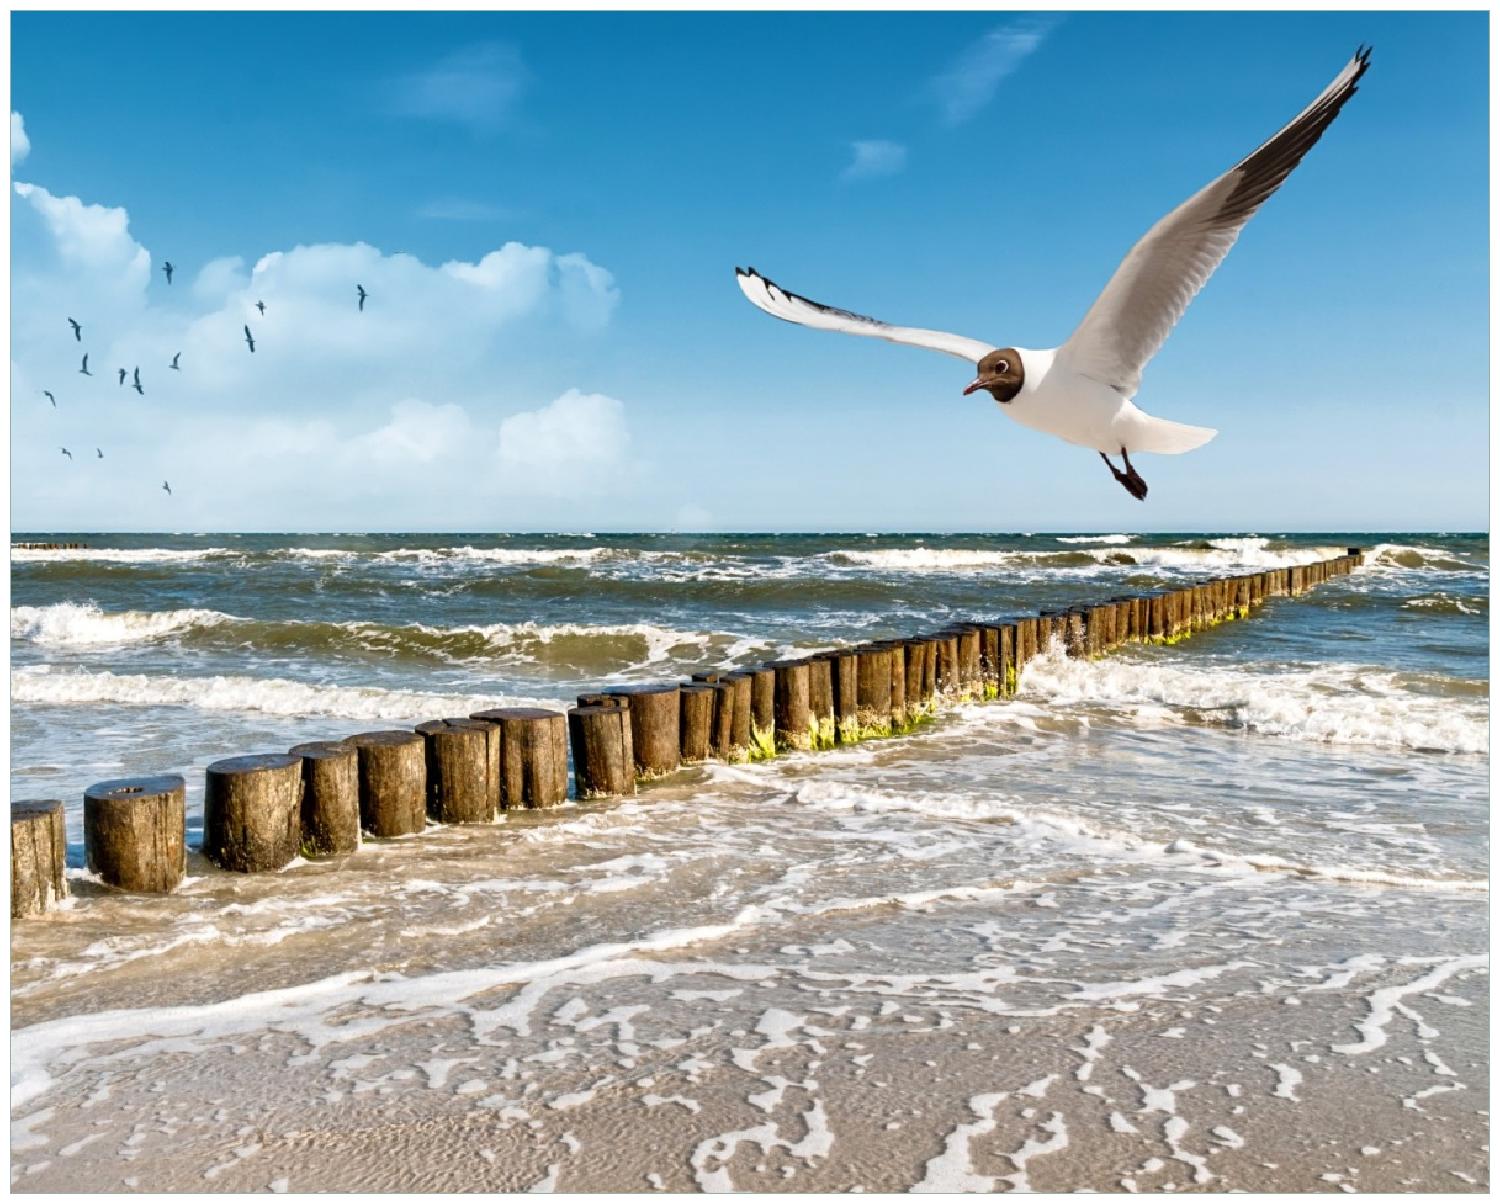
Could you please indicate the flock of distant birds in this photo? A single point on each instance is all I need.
(175, 365)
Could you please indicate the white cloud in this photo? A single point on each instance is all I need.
(283, 437)
(577, 444)
(20, 144)
(873, 158)
(969, 84)
(478, 86)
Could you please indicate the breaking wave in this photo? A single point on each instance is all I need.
(1336, 704)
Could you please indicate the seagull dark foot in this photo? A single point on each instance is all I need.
(1130, 479)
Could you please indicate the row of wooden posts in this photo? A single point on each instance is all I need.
(47, 547)
(261, 812)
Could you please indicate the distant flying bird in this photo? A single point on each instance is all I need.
(137, 385)
(1082, 391)
(261, 305)
(167, 268)
(85, 368)
(167, 487)
(67, 453)
(101, 454)
(47, 393)
(362, 296)
(77, 331)
(122, 376)
(175, 358)
(249, 339)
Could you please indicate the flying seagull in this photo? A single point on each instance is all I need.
(85, 368)
(167, 487)
(47, 393)
(122, 376)
(167, 268)
(174, 364)
(67, 453)
(261, 305)
(137, 385)
(250, 340)
(100, 453)
(1082, 391)
(362, 296)
(77, 331)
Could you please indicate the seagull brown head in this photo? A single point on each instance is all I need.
(1001, 374)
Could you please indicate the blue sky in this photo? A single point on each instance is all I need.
(584, 359)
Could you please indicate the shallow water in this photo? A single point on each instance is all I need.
(1204, 916)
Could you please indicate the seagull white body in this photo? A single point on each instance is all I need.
(1083, 390)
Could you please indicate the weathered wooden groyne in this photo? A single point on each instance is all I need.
(316, 800)
(48, 547)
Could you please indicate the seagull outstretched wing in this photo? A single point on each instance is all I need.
(789, 307)
(1163, 272)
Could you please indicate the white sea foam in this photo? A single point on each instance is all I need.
(494, 555)
(270, 695)
(82, 624)
(1115, 539)
(1338, 704)
(119, 555)
(1218, 554)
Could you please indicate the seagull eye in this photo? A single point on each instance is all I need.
(1002, 366)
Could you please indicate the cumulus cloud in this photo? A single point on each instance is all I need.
(872, 158)
(579, 443)
(970, 82)
(285, 437)
(20, 144)
(478, 86)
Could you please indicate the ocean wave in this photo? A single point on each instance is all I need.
(118, 555)
(495, 555)
(84, 625)
(1396, 556)
(1448, 604)
(268, 695)
(1096, 538)
(1336, 704)
(1216, 554)
(607, 647)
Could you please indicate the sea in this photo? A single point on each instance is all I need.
(1211, 916)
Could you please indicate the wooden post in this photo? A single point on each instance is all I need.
(743, 685)
(392, 782)
(135, 832)
(792, 715)
(695, 722)
(970, 661)
(901, 719)
(721, 735)
(721, 727)
(603, 762)
(762, 713)
(1005, 667)
(38, 856)
(874, 696)
(930, 657)
(330, 797)
(843, 669)
(914, 657)
(596, 699)
(989, 660)
(533, 758)
(1026, 642)
(461, 786)
(820, 711)
(655, 727)
(947, 664)
(252, 812)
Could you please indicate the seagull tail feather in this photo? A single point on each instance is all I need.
(1166, 438)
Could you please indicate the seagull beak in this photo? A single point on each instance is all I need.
(976, 384)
